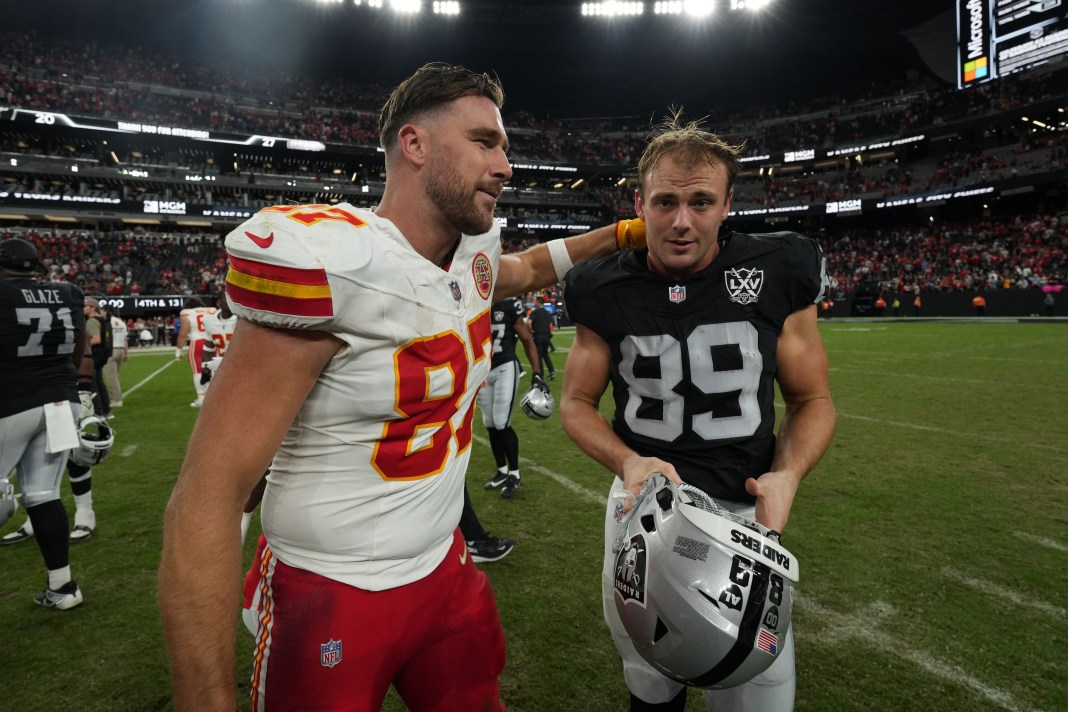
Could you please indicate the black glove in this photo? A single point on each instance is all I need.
(205, 376)
(536, 381)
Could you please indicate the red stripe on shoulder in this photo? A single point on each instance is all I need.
(289, 275)
(279, 304)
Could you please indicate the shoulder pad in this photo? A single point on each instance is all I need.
(278, 263)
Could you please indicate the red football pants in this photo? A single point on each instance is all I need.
(325, 645)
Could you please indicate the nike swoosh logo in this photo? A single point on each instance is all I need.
(263, 242)
(463, 556)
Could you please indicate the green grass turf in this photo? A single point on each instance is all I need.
(932, 540)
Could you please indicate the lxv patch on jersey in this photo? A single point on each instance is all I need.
(743, 285)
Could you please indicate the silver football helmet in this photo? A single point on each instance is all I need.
(537, 403)
(95, 438)
(8, 503)
(706, 595)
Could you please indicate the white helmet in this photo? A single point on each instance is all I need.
(537, 403)
(706, 595)
(96, 438)
(8, 503)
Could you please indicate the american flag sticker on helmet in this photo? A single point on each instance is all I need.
(767, 641)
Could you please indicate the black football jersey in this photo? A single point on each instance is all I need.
(693, 361)
(39, 322)
(503, 315)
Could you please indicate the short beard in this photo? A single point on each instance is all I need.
(445, 187)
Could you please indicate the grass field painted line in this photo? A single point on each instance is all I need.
(128, 450)
(149, 377)
(943, 379)
(855, 626)
(859, 626)
(946, 431)
(562, 479)
(1005, 594)
(1042, 541)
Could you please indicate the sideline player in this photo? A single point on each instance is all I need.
(192, 318)
(497, 398)
(218, 330)
(42, 338)
(371, 331)
(692, 333)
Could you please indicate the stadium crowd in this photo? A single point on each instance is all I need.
(1025, 252)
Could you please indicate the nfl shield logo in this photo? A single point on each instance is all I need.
(677, 293)
(330, 653)
(455, 287)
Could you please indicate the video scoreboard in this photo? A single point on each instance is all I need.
(999, 37)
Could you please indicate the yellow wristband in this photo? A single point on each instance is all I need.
(630, 234)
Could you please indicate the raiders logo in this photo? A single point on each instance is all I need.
(630, 571)
(743, 285)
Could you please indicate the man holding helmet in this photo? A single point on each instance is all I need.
(693, 333)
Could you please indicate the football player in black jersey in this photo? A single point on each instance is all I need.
(497, 397)
(693, 333)
(41, 341)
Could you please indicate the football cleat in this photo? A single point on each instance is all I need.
(80, 533)
(21, 534)
(489, 548)
(67, 597)
(498, 479)
(511, 487)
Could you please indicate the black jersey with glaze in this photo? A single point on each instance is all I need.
(39, 322)
(503, 315)
(712, 338)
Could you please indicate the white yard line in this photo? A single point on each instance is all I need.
(1042, 541)
(1004, 594)
(859, 626)
(149, 377)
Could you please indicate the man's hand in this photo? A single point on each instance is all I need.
(775, 493)
(205, 376)
(637, 469)
(178, 353)
(630, 234)
(536, 381)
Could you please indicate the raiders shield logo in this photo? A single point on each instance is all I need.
(630, 571)
(330, 653)
(743, 285)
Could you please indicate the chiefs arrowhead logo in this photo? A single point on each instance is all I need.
(263, 242)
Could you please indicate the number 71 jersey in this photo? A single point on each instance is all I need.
(693, 361)
(367, 486)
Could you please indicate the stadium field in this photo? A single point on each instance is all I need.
(932, 542)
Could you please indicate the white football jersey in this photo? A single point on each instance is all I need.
(196, 316)
(367, 485)
(217, 332)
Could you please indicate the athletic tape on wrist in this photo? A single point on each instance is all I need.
(561, 259)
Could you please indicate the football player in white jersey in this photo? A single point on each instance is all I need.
(218, 330)
(362, 340)
(192, 331)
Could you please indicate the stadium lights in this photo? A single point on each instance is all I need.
(612, 8)
(446, 8)
(751, 5)
(406, 6)
(694, 8)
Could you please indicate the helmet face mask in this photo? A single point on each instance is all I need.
(95, 438)
(706, 596)
(537, 403)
